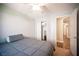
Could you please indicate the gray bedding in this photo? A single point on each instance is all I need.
(26, 47)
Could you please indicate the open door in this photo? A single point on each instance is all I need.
(73, 32)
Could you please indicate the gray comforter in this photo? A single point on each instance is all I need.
(26, 47)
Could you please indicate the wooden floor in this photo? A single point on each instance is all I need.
(62, 52)
(66, 43)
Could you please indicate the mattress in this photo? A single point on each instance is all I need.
(26, 47)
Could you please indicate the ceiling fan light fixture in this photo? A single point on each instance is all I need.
(37, 6)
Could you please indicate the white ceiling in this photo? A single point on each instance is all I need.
(25, 8)
(53, 7)
(60, 7)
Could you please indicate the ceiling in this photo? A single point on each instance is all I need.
(26, 8)
(60, 7)
(52, 7)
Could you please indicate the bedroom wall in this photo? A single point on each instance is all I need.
(1, 9)
(38, 29)
(14, 22)
(0, 26)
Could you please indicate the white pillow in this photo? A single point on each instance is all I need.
(7, 39)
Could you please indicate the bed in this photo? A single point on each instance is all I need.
(26, 47)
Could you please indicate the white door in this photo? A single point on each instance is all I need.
(73, 32)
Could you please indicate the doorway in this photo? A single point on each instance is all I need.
(43, 30)
(63, 25)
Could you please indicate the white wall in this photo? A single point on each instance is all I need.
(0, 23)
(13, 23)
(38, 29)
